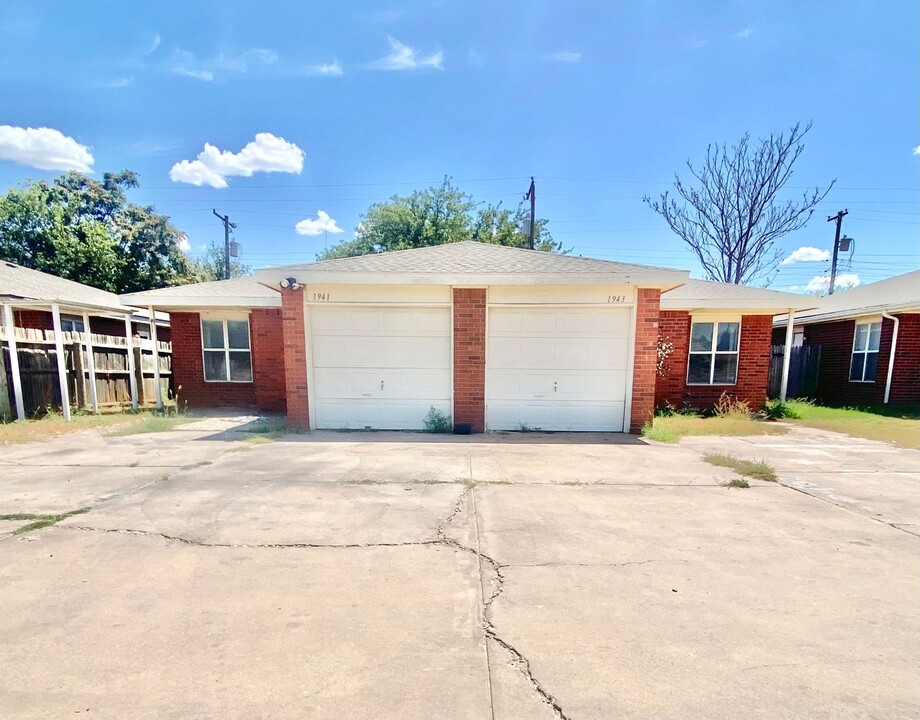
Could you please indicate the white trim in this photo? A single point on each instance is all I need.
(308, 350)
(90, 362)
(631, 363)
(453, 367)
(190, 302)
(14, 360)
(715, 320)
(61, 361)
(787, 355)
(891, 352)
(485, 366)
(132, 381)
(907, 308)
(226, 349)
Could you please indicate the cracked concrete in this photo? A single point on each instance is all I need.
(502, 577)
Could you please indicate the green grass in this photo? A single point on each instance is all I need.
(151, 424)
(898, 425)
(737, 483)
(759, 470)
(54, 424)
(37, 521)
(672, 428)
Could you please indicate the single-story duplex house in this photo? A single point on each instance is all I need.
(498, 338)
(870, 342)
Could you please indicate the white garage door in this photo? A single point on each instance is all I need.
(379, 367)
(554, 368)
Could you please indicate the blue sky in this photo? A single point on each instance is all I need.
(347, 103)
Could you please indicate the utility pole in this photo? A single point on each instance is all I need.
(838, 218)
(532, 196)
(225, 219)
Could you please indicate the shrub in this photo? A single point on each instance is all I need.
(776, 410)
(730, 406)
(437, 422)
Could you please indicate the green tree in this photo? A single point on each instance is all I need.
(210, 266)
(86, 230)
(435, 216)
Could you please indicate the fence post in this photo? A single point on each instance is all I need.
(139, 374)
(61, 360)
(79, 380)
(10, 327)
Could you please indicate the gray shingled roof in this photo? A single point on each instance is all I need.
(21, 283)
(696, 294)
(228, 289)
(474, 257)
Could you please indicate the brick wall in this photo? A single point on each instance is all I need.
(295, 358)
(470, 357)
(753, 364)
(836, 341)
(266, 392)
(645, 358)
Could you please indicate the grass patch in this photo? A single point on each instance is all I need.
(898, 425)
(737, 483)
(38, 521)
(53, 424)
(672, 428)
(759, 470)
(150, 423)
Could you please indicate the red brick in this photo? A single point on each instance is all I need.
(469, 327)
(645, 353)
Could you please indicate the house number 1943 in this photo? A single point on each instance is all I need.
(321, 296)
(616, 298)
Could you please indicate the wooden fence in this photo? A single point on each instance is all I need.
(804, 361)
(39, 374)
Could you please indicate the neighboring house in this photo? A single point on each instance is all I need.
(715, 339)
(498, 338)
(241, 361)
(855, 331)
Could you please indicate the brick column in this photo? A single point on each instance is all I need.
(470, 357)
(295, 358)
(645, 358)
(268, 358)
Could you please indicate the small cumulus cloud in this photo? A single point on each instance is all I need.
(565, 56)
(267, 153)
(318, 225)
(331, 69)
(186, 64)
(745, 32)
(807, 254)
(404, 57)
(917, 150)
(116, 83)
(44, 148)
(154, 44)
(820, 284)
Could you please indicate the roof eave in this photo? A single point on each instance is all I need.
(169, 304)
(761, 306)
(834, 315)
(22, 302)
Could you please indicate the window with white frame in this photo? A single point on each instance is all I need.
(864, 360)
(227, 355)
(713, 357)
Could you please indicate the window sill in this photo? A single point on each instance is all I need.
(229, 382)
(863, 382)
(731, 384)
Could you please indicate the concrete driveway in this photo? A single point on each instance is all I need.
(397, 575)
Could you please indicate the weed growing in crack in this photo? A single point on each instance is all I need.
(736, 483)
(759, 470)
(39, 521)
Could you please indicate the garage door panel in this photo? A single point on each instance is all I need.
(557, 368)
(379, 367)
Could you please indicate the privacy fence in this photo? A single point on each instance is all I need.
(38, 369)
(804, 361)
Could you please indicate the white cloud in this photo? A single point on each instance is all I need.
(322, 223)
(917, 150)
(403, 57)
(807, 254)
(184, 244)
(745, 32)
(820, 284)
(116, 84)
(213, 166)
(44, 148)
(566, 56)
(186, 64)
(333, 68)
(154, 44)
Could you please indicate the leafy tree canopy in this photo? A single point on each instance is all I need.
(435, 216)
(85, 230)
(210, 266)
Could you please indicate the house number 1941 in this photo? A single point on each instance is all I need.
(616, 298)
(321, 296)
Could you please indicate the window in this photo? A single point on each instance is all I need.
(864, 361)
(71, 324)
(713, 353)
(225, 344)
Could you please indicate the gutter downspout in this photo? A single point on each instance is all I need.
(894, 347)
(787, 354)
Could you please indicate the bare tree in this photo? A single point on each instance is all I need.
(731, 216)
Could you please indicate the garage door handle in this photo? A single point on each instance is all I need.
(554, 386)
(381, 384)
